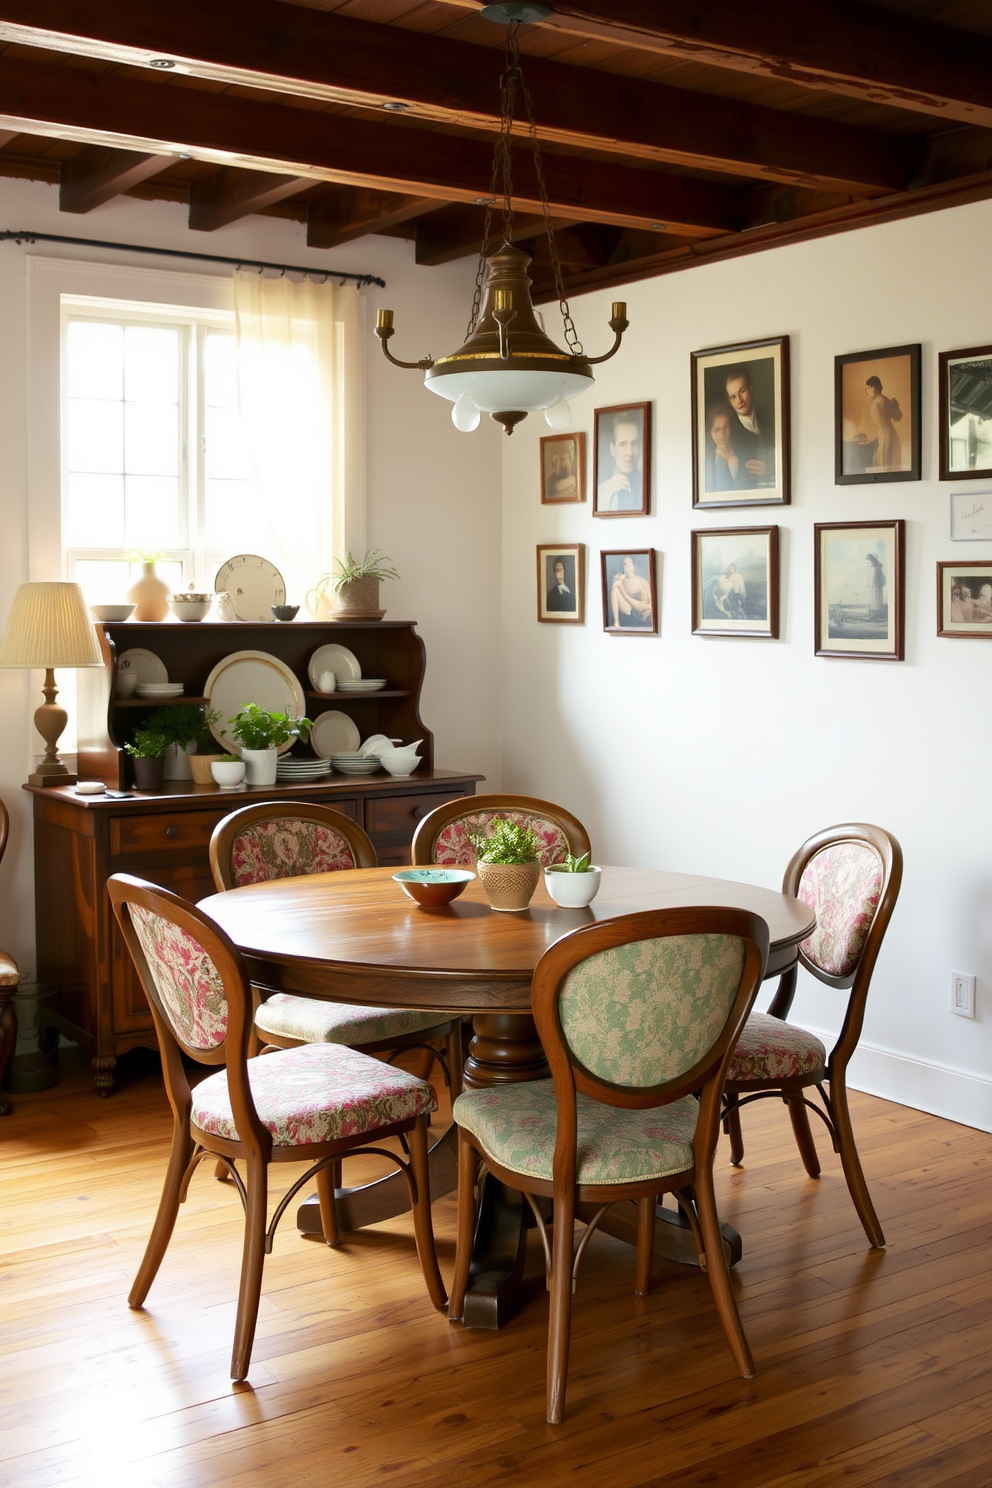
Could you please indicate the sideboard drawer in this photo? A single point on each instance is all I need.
(401, 815)
(180, 831)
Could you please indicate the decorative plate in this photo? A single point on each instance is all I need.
(254, 584)
(332, 733)
(252, 677)
(336, 659)
(145, 665)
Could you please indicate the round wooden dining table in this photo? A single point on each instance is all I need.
(355, 936)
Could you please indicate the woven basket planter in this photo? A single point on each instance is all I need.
(509, 886)
(200, 766)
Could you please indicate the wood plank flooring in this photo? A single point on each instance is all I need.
(873, 1368)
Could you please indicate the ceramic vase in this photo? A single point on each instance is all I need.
(177, 763)
(149, 595)
(509, 886)
(149, 774)
(260, 766)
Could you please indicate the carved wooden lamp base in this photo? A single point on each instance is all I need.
(50, 720)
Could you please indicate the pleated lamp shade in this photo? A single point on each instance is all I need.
(49, 626)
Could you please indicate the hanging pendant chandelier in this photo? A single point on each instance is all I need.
(508, 367)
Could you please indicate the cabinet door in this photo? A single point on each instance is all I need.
(131, 1011)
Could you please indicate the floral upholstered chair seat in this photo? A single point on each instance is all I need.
(315, 1022)
(771, 1049)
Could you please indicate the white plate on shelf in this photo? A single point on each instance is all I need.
(254, 584)
(365, 684)
(146, 690)
(145, 665)
(332, 733)
(252, 677)
(337, 659)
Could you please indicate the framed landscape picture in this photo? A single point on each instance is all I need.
(859, 586)
(740, 424)
(877, 416)
(630, 604)
(735, 582)
(965, 383)
(561, 582)
(964, 599)
(563, 468)
(622, 456)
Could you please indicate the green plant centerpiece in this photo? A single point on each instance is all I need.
(355, 586)
(509, 866)
(261, 734)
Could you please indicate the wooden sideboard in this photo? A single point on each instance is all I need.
(79, 841)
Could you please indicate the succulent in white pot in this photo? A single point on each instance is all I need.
(574, 883)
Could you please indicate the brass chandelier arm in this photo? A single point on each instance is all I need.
(618, 324)
(384, 329)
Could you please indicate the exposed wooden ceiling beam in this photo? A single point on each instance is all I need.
(863, 51)
(296, 50)
(457, 232)
(97, 174)
(354, 211)
(228, 195)
(107, 107)
(6, 135)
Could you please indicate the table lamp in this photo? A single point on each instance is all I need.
(49, 626)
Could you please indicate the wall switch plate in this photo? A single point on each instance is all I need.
(962, 994)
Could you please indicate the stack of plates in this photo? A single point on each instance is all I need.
(160, 689)
(353, 763)
(302, 769)
(361, 684)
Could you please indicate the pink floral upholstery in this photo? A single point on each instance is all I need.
(9, 974)
(317, 1093)
(770, 1049)
(841, 884)
(286, 847)
(453, 848)
(338, 1022)
(185, 978)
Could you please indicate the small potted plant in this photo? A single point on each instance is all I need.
(260, 733)
(356, 588)
(148, 758)
(184, 726)
(227, 771)
(574, 883)
(508, 866)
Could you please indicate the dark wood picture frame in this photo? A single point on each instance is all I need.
(623, 612)
(553, 446)
(727, 593)
(893, 414)
(838, 580)
(573, 559)
(962, 396)
(607, 468)
(758, 471)
(974, 618)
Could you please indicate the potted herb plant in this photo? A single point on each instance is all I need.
(148, 758)
(356, 587)
(260, 733)
(184, 726)
(574, 883)
(508, 866)
(226, 770)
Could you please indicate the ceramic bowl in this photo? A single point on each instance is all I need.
(112, 612)
(572, 890)
(191, 606)
(432, 887)
(399, 762)
(228, 773)
(285, 612)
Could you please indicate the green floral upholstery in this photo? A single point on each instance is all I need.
(517, 1125)
(186, 980)
(645, 1012)
(338, 1022)
(770, 1049)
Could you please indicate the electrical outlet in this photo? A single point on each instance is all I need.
(962, 994)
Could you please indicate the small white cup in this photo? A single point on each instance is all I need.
(127, 681)
(328, 682)
(228, 774)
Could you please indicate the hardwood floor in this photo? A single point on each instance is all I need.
(873, 1368)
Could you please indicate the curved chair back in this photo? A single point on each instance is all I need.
(272, 840)
(443, 835)
(4, 829)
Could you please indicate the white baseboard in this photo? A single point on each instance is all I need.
(935, 1088)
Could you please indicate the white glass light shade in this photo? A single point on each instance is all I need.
(509, 388)
(465, 415)
(559, 414)
(49, 626)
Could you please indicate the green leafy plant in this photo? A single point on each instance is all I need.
(373, 566)
(505, 843)
(149, 743)
(181, 724)
(572, 865)
(258, 729)
(227, 759)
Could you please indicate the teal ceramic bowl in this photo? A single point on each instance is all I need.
(433, 886)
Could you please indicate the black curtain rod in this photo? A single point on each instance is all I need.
(240, 263)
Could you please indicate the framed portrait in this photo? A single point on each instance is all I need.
(740, 424)
(964, 599)
(971, 516)
(965, 382)
(877, 416)
(630, 601)
(563, 468)
(859, 584)
(622, 456)
(735, 582)
(561, 583)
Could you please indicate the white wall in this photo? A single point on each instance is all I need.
(433, 496)
(719, 756)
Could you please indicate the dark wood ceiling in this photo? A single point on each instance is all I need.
(671, 133)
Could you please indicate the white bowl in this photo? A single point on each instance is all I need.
(399, 762)
(572, 890)
(228, 773)
(189, 608)
(112, 612)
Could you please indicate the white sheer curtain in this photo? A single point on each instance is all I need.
(300, 395)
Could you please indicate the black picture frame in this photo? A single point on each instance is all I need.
(877, 393)
(735, 582)
(852, 598)
(741, 424)
(964, 384)
(622, 461)
(634, 610)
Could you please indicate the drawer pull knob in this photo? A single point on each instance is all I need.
(172, 833)
(418, 812)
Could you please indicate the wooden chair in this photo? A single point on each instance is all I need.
(314, 1104)
(9, 979)
(442, 836)
(850, 875)
(638, 1017)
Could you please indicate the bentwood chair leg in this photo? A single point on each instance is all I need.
(719, 1274)
(852, 1164)
(328, 1179)
(645, 1245)
(732, 1126)
(252, 1260)
(560, 1321)
(456, 1057)
(799, 1116)
(423, 1227)
(468, 1168)
(165, 1219)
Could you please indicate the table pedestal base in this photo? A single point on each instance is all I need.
(386, 1197)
